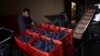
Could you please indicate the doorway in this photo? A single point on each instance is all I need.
(73, 12)
(78, 6)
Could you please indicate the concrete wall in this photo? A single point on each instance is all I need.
(39, 8)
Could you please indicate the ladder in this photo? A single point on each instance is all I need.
(83, 24)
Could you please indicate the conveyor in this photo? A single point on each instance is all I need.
(83, 23)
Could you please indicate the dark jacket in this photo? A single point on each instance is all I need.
(24, 23)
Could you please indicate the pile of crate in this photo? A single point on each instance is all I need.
(46, 40)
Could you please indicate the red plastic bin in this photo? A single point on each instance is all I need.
(67, 40)
(24, 45)
(57, 51)
(43, 25)
(48, 26)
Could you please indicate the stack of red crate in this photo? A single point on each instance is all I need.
(65, 43)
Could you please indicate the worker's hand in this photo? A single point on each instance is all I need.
(33, 23)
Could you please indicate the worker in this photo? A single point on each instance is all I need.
(24, 20)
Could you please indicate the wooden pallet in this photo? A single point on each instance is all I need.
(83, 23)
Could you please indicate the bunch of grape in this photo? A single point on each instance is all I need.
(44, 45)
(25, 38)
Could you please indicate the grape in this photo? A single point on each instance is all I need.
(44, 45)
(25, 38)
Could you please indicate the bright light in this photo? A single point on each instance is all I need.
(73, 4)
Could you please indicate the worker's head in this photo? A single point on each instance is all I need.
(26, 12)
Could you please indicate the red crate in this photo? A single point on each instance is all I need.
(43, 25)
(48, 26)
(57, 51)
(70, 34)
(53, 28)
(24, 45)
(67, 40)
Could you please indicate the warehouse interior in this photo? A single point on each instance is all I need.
(74, 16)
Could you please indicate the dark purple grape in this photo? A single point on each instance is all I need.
(25, 38)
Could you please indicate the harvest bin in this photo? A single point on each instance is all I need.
(68, 43)
(56, 51)
(24, 45)
(67, 40)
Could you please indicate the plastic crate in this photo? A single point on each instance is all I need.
(53, 28)
(24, 45)
(43, 25)
(57, 51)
(68, 43)
(67, 40)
